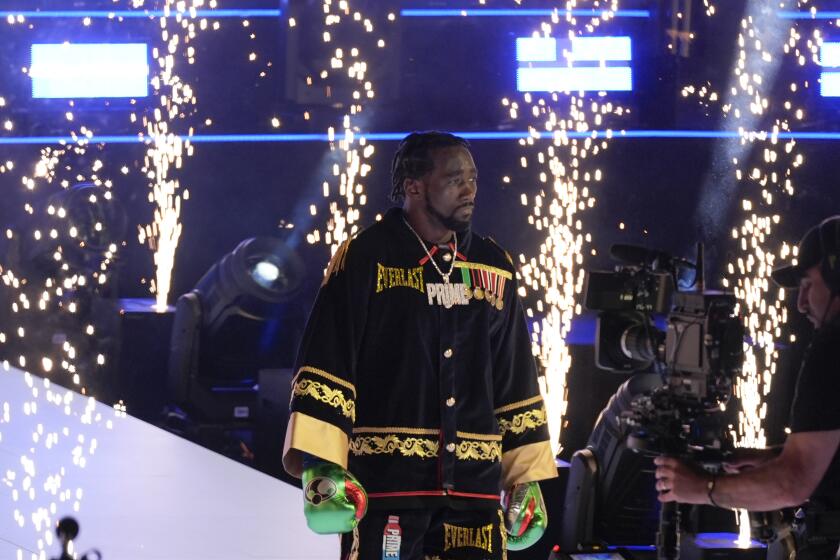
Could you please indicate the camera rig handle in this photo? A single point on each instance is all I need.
(668, 536)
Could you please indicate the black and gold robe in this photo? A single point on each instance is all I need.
(425, 391)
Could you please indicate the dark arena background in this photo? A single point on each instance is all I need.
(175, 176)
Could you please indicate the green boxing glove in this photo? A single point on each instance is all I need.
(333, 500)
(525, 515)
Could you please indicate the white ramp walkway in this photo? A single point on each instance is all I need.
(138, 492)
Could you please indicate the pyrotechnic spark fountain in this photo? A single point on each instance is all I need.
(764, 171)
(767, 178)
(348, 74)
(566, 176)
(53, 330)
(168, 148)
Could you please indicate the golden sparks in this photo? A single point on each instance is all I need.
(65, 248)
(563, 177)
(763, 167)
(167, 149)
(347, 83)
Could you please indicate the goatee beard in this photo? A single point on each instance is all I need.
(449, 222)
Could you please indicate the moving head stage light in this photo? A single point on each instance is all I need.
(672, 405)
(233, 324)
(85, 224)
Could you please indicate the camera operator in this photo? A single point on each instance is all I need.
(808, 467)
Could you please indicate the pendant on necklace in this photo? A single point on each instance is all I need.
(446, 279)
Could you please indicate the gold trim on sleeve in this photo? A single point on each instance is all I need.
(520, 404)
(305, 434)
(485, 267)
(479, 450)
(326, 375)
(332, 397)
(390, 444)
(394, 430)
(480, 437)
(528, 463)
(528, 420)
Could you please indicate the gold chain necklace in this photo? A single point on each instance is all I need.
(428, 254)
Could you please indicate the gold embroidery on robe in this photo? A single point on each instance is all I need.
(528, 420)
(390, 444)
(325, 394)
(479, 450)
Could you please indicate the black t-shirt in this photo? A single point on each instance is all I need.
(816, 403)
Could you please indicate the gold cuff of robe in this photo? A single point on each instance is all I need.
(306, 434)
(528, 463)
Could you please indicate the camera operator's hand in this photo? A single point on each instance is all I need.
(677, 481)
(747, 457)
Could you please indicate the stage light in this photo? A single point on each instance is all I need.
(522, 12)
(830, 80)
(238, 320)
(265, 273)
(90, 70)
(577, 64)
(611, 499)
(536, 49)
(601, 49)
(610, 495)
(830, 84)
(577, 49)
(830, 54)
(138, 14)
(574, 79)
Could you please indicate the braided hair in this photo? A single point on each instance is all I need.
(413, 159)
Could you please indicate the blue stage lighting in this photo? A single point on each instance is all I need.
(613, 49)
(137, 14)
(536, 49)
(397, 136)
(578, 64)
(830, 54)
(789, 14)
(579, 49)
(830, 84)
(723, 541)
(830, 58)
(89, 70)
(574, 79)
(521, 12)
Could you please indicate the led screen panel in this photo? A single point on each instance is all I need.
(830, 59)
(89, 70)
(579, 64)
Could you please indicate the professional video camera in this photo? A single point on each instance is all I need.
(698, 354)
(685, 345)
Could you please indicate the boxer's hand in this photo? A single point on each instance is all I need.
(333, 500)
(525, 515)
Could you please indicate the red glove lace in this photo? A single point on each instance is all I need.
(357, 496)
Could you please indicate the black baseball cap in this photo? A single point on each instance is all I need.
(811, 253)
